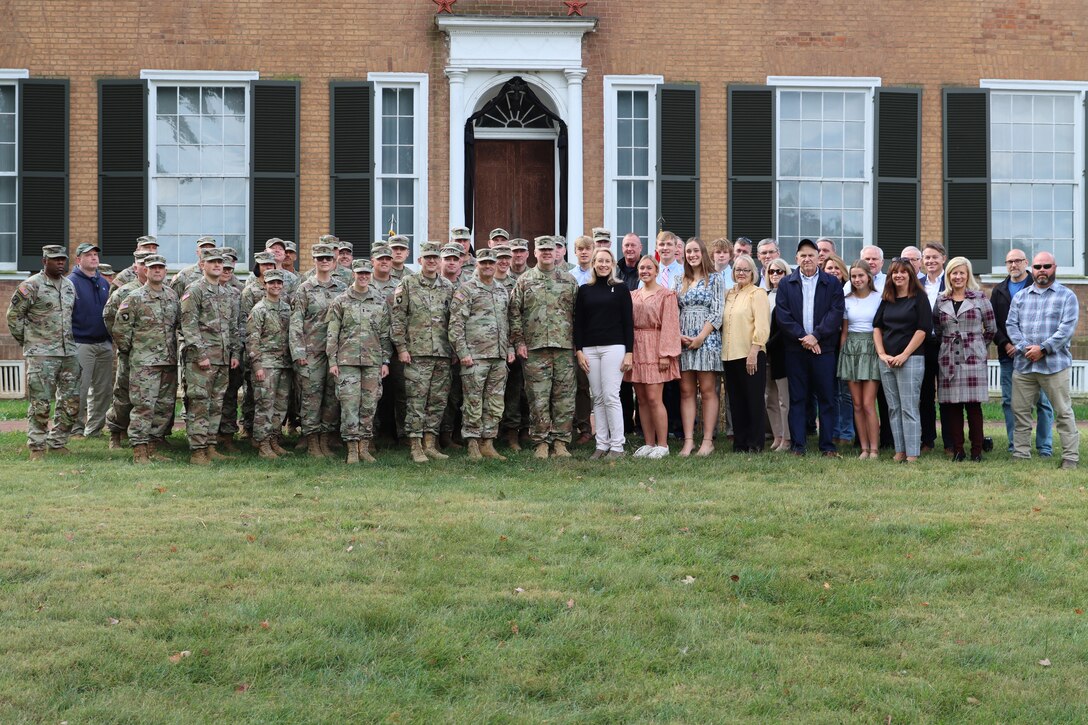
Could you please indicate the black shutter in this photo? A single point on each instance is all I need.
(751, 162)
(274, 178)
(43, 168)
(351, 165)
(678, 158)
(898, 168)
(122, 169)
(967, 175)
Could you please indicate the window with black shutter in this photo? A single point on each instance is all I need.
(275, 162)
(751, 162)
(967, 175)
(122, 169)
(352, 171)
(898, 169)
(678, 159)
(43, 168)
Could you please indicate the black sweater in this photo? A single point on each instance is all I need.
(602, 316)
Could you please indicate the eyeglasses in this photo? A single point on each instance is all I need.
(1016, 261)
(1042, 266)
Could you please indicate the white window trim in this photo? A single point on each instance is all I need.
(152, 108)
(841, 84)
(1079, 157)
(199, 76)
(612, 85)
(419, 83)
(11, 74)
(14, 74)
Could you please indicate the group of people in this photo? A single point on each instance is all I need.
(478, 346)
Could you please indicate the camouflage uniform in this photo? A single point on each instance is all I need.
(451, 416)
(128, 274)
(40, 320)
(146, 333)
(390, 416)
(228, 423)
(320, 409)
(359, 344)
(209, 328)
(479, 329)
(118, 416)
(515, 407)
(268, 348)
(420, 323)
(541, 312)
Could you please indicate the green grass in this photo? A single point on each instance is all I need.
(819, 591)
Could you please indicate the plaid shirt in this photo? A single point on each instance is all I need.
(1044, 317)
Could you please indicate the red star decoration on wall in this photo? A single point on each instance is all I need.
(574, 7)
(444, 6)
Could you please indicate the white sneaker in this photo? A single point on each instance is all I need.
(642, 452)
(658, 452)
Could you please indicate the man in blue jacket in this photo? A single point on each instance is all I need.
(809, 310)
(93, 344)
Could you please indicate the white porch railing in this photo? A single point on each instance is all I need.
(1079, 377)
(12, 379)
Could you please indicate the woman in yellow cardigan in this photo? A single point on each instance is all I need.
(746, 324)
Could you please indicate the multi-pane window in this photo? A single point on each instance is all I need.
(823, 179)
(1034, 174)
(200, 169)
(8, 174)
(397, 176)
(633, 169)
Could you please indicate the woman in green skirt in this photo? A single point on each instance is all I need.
(859, 365)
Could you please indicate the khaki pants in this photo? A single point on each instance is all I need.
(1025, 395)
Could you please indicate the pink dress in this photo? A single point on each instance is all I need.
(657, 335)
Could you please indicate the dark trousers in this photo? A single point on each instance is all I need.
(746, 403)
(627, 403)
(670, 396)
(927, 401)
(810, 373)
(952, 424)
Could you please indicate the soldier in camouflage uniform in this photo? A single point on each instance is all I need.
(520, 262)
(345, 255)
(40, 320)
(290, 256)
(515, 410)
(455, 273)
(252, 293)
(228, 422)
(541, 313)
(498, 237)
(209, 329)
(117, 417)
(421, 307)
(278, 249)
(359, 347)
(480, 337)
(320, 409)
(401, 247)
(462, 237)
(193, 272)
(148, 244)
(389, 420)
(145, 331)
(106, 272)
(268, 349)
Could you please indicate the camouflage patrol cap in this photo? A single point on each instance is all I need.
(211, 255)
(380, 250)
(431, 249)
(560, 240)
(399, 240)
(486, 255)
(460, 233)
(502, 250)
(273, 275)
(322, 250)
(264, 258)
(519, 244)
(273, 242)
(147, 240)
(330, 239)
(106, 270)
(499, 232)
(54, 251)
(600, 234)
(341, 246)
(451, 250)
(153, 260)
(290, 246)
(362, 265)
(85, 247)
(544, 242)
(140, 256)
(229, 262)
(206, 242)
(229, 252)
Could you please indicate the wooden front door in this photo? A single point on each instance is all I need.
(515, 188)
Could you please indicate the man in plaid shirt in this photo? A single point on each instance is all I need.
(1041, 323)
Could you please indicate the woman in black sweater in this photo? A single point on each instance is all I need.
(604, 336)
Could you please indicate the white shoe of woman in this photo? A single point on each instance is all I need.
(642, 452)
(658, 452)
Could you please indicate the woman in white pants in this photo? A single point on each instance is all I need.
(604, 337)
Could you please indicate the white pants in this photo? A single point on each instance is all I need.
(605, 377)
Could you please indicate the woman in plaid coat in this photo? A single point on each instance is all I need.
(964, 321)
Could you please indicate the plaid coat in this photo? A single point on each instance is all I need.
(964, 338)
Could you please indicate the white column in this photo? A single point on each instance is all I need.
(457, 150)
(575, 213)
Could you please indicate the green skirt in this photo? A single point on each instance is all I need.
(857, 359)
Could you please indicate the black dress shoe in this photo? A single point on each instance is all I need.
(959, 457)
(977, 459)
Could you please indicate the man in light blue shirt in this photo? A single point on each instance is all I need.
(583, 252)
(671, 269)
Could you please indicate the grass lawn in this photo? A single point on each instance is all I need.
(731, 589)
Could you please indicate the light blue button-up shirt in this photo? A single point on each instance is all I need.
(1047, 318)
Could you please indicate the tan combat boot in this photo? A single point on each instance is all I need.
(62, 451)
(353, 452)
(303, 443)
(366, 451)
(430, 450)
(139, 454)
(153, 454)
(559, 450)
(313, 446)
(487, 450)
(226, 442)
(474, 449)
(325, 442)
(37, 454)
(541, 451)
(199, 457)
(115, 440)
(274, 443)
(264, 450)
(512, 440)
(418, 456)
(214, 455)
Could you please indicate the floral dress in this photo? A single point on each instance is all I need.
(700, 303)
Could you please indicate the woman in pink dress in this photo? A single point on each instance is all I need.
(656, 356)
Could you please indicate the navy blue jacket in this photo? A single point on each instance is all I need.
(827, 311)
(91, 294)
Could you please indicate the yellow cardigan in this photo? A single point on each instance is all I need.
(746, 321)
